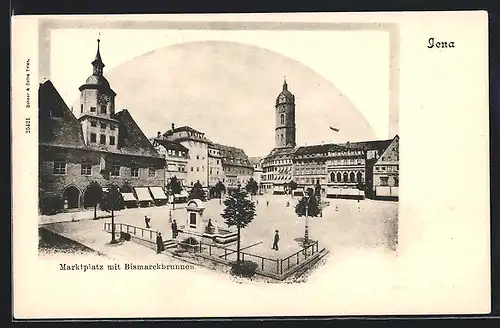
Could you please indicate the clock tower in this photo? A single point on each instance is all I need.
(285, 118)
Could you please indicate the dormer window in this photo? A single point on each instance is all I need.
(103, 109)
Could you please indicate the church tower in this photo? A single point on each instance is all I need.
(97, 108)
(285, 118)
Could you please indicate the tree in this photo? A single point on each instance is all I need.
(292, 186)
(112, 201)
(93, 196)
(220, 188)
(239, 212)
(174, 187)
(308, 206)
(197, 192)
(252, 187)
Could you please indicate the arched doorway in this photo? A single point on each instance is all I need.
(332, 177)
(359, 177)
(351, 177)
(339, 177)
(345, 177)
(71, 197)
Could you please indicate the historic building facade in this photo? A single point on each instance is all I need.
(277, 165)
(351, 169)
(209, 162)
(197, 145)
(257, 170)
(386, 172)
(216, 171)
(101, 146)
(237, 169)
(176, 158)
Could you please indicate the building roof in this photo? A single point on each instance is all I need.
(167, 144)
(280, 153)
(318, 149)
(290, 98)
(255, 160)
(379, 145)
(181, 128)
(232, 155)
(59, 127)
(57, 124)
(131, 139)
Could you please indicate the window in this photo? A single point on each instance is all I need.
(134, 172)
(282, 119)
(103, 126)
(396, 182)
(198, 169)
(59, 167)
(93, 123)
(112, 127)
(152, 172)
(384, 181)
(112, 140)
(382, 168)
(191, 169)
(81, 108)
(102, 139)
(92, 109)
(86, 169)
(103, 109)
(93, 137)
(115, 170)
(197, 156)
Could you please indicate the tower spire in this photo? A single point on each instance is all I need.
(97, 63)
(285, 85)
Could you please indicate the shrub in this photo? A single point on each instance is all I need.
(245, 269)
(52, 205)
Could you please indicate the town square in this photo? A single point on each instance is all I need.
(104, 182)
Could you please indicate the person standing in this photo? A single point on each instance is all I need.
(146, 220)
(159, 243)
(276, 240)
(174, 229)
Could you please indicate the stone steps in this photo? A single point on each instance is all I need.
(169, 243)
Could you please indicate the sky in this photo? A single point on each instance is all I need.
(356, 63)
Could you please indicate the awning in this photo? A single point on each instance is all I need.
(128, 197)
(157, 193)
(143, 194)
(181, 195)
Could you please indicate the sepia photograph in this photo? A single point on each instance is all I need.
(251, 151)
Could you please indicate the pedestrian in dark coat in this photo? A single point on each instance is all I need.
(159, 243)
(276, 240)
(146, 220)
(174, 229)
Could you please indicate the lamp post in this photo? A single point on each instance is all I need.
(306, 232)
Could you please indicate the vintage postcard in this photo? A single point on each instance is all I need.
(177, 166)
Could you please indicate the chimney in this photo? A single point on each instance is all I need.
(348, 144)
(158, 135)
(173, 126)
